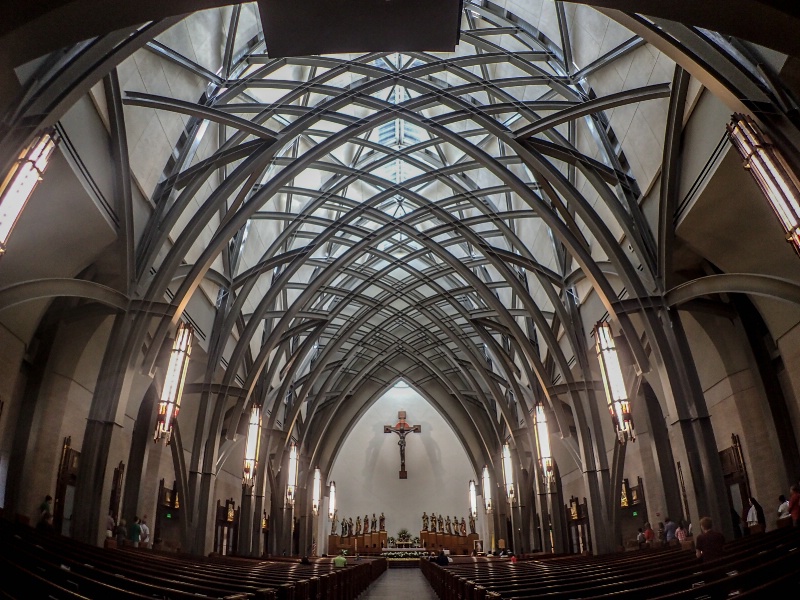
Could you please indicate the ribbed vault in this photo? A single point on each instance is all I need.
(413, 209)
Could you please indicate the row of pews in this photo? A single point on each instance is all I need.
(42, 565)
(757, 566)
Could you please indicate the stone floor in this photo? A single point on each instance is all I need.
(399, 583)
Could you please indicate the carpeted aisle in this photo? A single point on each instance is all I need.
(398, 584)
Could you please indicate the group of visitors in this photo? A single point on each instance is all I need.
(710, 543)
(670, 533)
(138, 534)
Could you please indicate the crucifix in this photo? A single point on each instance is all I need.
(402, 428)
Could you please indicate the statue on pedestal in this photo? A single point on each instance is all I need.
(455, 525)
(350, 526)
(358, 525)
(383, 522)
(374, 523)
(449, 525)
(471, 523)
(344, 527)
(433, 522)
(424, 521)
(463, 526)
(366, 523)
(334, 521)
(441, 524)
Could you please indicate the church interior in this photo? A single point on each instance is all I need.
(387, 279)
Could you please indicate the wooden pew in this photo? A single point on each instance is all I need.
(749, 563)
(142, 573)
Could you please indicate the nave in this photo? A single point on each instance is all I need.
(399, 584)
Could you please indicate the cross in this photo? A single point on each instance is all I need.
(402, 429)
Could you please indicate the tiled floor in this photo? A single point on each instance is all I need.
(399, 584)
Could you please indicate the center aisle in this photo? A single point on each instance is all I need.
(399, 583)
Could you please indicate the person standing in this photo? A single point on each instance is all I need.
(110, 524)
(794, 505)
(649, 534)
(680, 533)
(46, 507)
(145, 541)
(640, 539)
(670, 527)
(135, 533)
(121, 533)
(710, 544)
(783, 507)
(756, 519)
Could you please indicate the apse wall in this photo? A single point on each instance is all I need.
(367, 465)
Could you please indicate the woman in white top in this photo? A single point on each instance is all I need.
(783, 507)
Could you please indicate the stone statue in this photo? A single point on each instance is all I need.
(374, 523)
(366, 523)
(449, 524)
(455, 525)
(358, 525)
(471, 523)
(350, 526)
(383, 522)
(463, 526)
(424, 521)
(334, 521)
(344, 527)
(441, 524)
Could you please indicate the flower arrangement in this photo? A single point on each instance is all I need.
(390, 542)
(401, 555)
(403, 535)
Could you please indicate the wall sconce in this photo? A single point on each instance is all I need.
(170, 403)
(487, 489)
(614, 384)
(332, 501)
(508, 473)
(316, 492)
(543, 444)
(19, 183)
(473, 499)
(772, 173)
(291, 479)
(251, 447)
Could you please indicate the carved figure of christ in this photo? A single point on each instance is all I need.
(402, 429)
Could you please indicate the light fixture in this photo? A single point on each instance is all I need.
(473, 499)
(772, 173)
(251, 446)
(614, 384)
(291, 479)
(170, 403)
(332, 501)
(543, 445)
(487, 489)
(20, 181)
(508, 473)
(316, 492)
